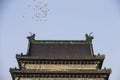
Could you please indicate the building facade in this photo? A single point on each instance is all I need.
(60, 60)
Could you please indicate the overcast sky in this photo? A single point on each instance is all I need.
(65, 20)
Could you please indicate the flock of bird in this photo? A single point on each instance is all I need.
(39, 10)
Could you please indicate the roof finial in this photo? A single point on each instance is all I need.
(31, 37)
(89, 37)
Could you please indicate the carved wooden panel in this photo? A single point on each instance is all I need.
(60, 67)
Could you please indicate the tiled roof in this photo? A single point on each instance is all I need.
(69, 71)
(95, 57)
(60, 48)
(71, 49)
